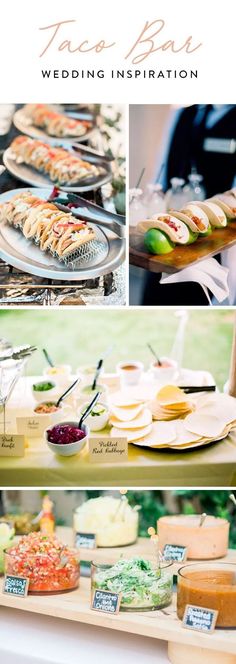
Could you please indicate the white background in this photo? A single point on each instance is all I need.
(120, 21)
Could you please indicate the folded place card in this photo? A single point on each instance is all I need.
(108, 450)
(32, 425)
(12, 445)
(10, 420)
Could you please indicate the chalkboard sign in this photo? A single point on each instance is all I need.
(199, 618)
(175, 552)
(106, 601)
(16, 585)
(85, 540)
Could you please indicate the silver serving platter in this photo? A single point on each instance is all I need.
(24, 255)
(28, 174)
(22, 123)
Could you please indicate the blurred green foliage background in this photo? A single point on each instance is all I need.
(185, 501)
(153, 503)
(81, 336)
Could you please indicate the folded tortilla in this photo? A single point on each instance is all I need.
(227, 203)
(176, 230)
(195, 217)
(214, 212)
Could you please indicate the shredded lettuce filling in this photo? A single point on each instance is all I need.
(140, 584)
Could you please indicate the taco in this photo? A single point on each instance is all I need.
(227, 203)
(194, 217)
(176, 230)
(214, 212)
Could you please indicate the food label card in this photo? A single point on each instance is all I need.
(12, 445)
(31, 425)
(108, 450)
(85, 540)
(10, 421)
(175, 552)
(16, 585)
(199, 618)
(106, 601)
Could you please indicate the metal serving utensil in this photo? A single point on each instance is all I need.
(89, 409)
(83, 209)
(68, 391)
(97, 156)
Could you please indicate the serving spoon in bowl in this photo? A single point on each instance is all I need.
(88, 409)
(67, 392)
(48, 358)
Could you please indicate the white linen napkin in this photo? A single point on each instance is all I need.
(207, 273)
(228, 260)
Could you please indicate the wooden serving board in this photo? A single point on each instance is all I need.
(143, 547)
(162, 624)
(181, 256)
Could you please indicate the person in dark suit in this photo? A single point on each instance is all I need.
(202, 137)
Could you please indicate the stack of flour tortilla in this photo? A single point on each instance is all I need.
(173, 419)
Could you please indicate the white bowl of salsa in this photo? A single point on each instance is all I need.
(130, 372)
(164, 372)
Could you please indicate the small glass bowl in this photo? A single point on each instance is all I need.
(157, 598)
(211, 586)
(46, 575)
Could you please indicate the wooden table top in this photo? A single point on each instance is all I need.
(182, 256)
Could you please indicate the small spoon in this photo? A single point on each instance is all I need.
(48, 358)
(88, 410)
(68, 391)
(232, 497)
(99, 366)
(97, 372)
(154, 353)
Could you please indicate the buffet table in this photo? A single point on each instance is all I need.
(214, 464)
(52, 628)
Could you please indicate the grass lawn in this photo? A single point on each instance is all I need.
(81, 336)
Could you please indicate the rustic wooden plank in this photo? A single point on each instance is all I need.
(182, 256)
(162, 624)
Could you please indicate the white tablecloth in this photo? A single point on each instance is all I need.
(32, 639)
